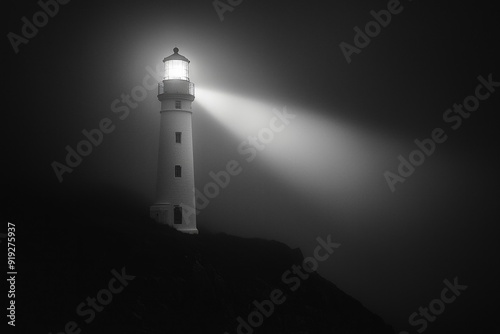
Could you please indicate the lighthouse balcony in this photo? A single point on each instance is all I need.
(175, 87)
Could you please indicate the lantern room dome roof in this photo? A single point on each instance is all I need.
(176, 56)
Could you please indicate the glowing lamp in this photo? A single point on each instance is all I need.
(176, 66)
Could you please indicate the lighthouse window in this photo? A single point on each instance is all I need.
(177, 214)
(178, 104)
(178, 170)
(178, 136)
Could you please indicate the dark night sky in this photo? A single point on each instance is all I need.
(353, 121)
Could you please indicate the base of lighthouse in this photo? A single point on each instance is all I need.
(173, 216)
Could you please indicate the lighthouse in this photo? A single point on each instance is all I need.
(175, 198)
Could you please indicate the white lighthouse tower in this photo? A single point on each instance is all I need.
(175, 180)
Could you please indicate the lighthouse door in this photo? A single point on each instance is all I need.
(177, 214)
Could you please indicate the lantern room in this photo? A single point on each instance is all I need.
(176, 67)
